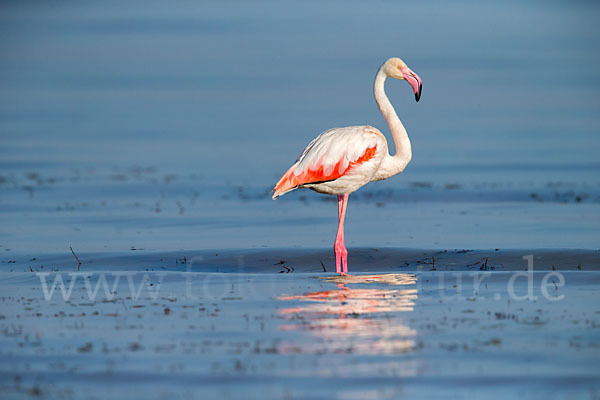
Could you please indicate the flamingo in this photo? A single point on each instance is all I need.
(341, 160)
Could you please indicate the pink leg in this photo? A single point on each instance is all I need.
(341, 254)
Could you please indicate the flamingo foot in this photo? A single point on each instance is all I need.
(341, 257)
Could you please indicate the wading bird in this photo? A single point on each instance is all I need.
(341, 160)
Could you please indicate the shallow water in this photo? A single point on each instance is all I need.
(146, 139)
(181, 335)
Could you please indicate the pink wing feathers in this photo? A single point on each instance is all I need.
(330, 156)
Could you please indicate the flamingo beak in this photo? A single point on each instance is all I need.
(414, 81)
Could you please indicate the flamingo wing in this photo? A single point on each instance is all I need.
(330, 156)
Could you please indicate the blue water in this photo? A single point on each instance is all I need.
(273, 336)
(146, 136)
(164, 126)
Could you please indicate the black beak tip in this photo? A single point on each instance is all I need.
(418, 94)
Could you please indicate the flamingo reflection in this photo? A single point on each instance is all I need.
(362, 320)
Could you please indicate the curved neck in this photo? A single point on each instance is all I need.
(403, 149)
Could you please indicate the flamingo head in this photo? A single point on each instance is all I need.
(397, 69)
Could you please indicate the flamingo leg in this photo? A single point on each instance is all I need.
(341, 254)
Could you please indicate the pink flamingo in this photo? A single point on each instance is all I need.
(341, 160)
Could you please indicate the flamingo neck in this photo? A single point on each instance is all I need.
(395, 164)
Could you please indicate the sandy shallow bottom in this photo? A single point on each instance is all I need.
(421, 331)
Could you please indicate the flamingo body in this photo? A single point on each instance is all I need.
(338, 162)
(341, 160)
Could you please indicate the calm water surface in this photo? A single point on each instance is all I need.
(164, 127)
(147, 136)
